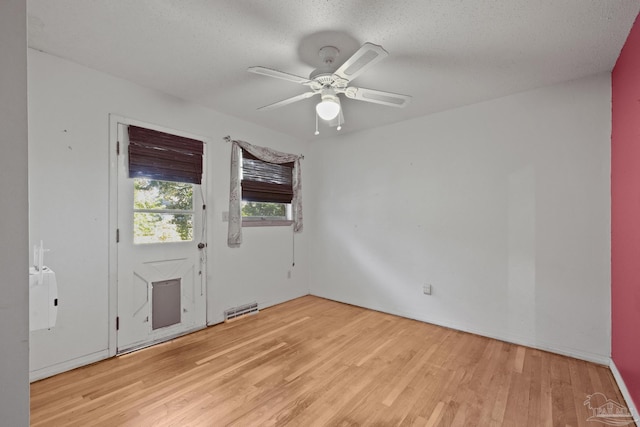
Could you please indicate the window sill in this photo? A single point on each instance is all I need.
(266, 222)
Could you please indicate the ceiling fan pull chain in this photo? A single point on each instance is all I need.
(317, 132)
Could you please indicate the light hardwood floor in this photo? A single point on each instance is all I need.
(312, 361)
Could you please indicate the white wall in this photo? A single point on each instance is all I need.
(503, 206)
(14, 281)
(69, 108)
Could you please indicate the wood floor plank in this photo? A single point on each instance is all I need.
(435, 415)
(248, 342)
(312, 361)
(532, 368)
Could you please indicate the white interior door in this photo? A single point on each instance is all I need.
(161, 265)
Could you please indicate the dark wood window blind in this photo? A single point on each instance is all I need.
(162, 156)
(266, 182)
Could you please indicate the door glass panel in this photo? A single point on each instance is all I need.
(162, 227)
(162, 211)
(151, 194)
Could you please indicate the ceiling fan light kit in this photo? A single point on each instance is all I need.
(329, 107)
(329, 82)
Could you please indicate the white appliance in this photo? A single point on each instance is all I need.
(43, 293)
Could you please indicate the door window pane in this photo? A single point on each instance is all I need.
(162, 227)
(163, 211)
(151, 194)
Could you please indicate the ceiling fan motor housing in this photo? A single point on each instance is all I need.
(324, 75)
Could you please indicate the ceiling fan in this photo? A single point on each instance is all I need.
(329, 81)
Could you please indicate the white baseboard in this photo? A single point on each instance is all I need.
(67, 365)
(624, 390)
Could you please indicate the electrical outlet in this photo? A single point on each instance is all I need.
(426, 289)
(289, 274)
(225, 216)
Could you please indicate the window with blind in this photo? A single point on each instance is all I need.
(164, 168)
(267, 190)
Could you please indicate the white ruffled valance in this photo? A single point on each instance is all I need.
(234, 238)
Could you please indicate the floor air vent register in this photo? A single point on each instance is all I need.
(236, 313)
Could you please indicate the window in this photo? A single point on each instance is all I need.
(267, 190)
(164, 168)
(162, 211)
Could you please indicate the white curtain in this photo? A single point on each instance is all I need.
(234, 238)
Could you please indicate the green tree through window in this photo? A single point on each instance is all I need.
(154, 195)
(263, 209)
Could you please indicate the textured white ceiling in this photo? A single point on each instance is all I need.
(444, 53)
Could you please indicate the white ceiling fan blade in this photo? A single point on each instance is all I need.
(288, 101)
(360, 61)
(377, 96)
(278, 74)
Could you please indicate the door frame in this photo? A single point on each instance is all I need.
(114, 121)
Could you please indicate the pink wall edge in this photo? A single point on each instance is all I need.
(625, 214)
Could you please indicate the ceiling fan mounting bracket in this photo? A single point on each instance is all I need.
(324, 75)
(328, 54)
